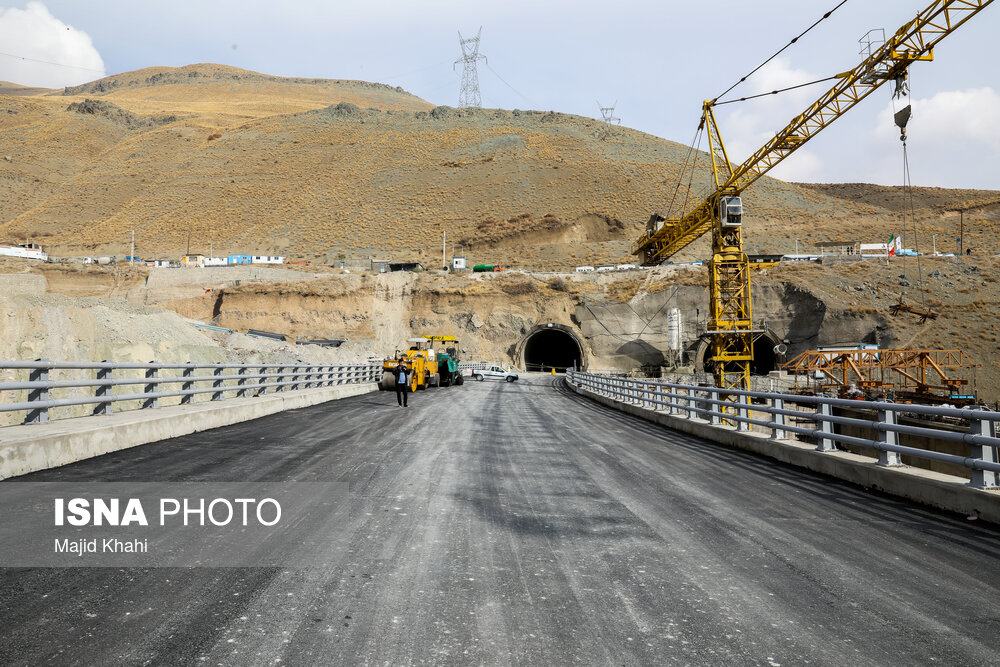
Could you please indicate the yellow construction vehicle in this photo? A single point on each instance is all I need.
(422, 360)
(730, 324)
(447, 359)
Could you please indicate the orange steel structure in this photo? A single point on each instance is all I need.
(916, 374)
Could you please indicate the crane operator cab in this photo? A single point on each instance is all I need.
(730, 211)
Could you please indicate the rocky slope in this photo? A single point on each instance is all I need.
(619, 320)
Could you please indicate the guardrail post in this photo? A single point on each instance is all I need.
(150, 388)
(675, 402)
(104, 390)
(887, 458)
(38, 415)
(777, 432)
(187, 385)
(281, 379)
(744, 412)
(714, 407)
(983, 479)
(242, 382)
(825, 428)
(217, 395)
(262, 380)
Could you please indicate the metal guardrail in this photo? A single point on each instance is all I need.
(715, 405)
(245, 380)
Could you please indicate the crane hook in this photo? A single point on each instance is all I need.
(901, 117)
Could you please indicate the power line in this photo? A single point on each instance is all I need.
(525, 97)
(779, 51)
(775, 92)
(48, 62)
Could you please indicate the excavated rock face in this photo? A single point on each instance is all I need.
(618, 321)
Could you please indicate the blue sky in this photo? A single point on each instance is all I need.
(658, 60)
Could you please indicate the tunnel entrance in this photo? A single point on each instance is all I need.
(765, 359)
(551, 347)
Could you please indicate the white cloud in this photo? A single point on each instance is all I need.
(41, 50)
(951, 140)
(753, 123)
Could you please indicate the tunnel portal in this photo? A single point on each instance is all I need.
(548, 348)
(765, 359)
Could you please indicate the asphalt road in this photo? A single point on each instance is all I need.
(501, 523)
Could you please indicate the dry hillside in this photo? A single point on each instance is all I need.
(317, 169)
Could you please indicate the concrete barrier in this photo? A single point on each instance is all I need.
(926, 487)
(31, 447)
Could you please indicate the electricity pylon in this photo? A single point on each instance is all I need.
(608, 114)
(469, 95)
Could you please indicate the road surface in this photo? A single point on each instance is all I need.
(500, 523)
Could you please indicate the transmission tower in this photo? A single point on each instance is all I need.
(608, 114)
(469, 95)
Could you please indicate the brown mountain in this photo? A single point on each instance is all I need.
(316, 169)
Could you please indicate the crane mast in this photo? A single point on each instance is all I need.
(730, 324)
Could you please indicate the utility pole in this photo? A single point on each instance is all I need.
(469, 94)
(961, 231)
(444, 251)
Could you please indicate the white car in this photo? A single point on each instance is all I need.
(493, 373)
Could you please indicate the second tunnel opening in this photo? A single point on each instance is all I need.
(551, 348)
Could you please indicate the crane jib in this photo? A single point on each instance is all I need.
(730, 322)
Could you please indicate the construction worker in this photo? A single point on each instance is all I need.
(402, 383)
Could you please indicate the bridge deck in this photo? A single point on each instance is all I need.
(541, 528)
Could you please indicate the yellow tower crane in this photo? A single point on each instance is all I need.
(730, 323)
